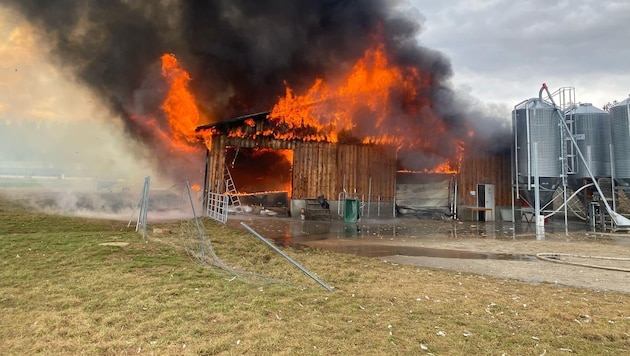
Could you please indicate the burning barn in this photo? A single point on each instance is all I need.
(347, 136)
(291, 167)
(262, 157)
(363, 99)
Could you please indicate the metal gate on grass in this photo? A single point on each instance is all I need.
(217, 208)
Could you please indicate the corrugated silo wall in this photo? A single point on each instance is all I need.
(488, 169)
(329, 168)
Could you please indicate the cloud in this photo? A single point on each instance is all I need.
(514, 45)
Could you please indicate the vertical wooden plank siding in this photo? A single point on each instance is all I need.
(485, 170)
(216, 165)
(319, 167)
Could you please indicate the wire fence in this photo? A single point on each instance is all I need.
(198, 245)
(180, 203)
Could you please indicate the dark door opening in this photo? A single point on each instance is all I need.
(261, 174)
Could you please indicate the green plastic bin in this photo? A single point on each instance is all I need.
(351, 210)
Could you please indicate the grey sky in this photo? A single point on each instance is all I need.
(503, 50)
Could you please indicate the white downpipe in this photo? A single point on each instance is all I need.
(540, 219)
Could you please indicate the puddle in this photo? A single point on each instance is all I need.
(288, 231)
(369, 250)
(402, 235)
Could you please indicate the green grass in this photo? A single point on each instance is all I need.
(63, 293)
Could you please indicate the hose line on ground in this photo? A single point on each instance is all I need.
(556, 258)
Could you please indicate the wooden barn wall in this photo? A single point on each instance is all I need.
(319, 167)
(485, 170)
(216, 165)
(326, 168)
(314, 166)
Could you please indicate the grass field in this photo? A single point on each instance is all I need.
(61, 292)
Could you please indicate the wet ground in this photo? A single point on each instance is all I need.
(294, 232)
(499, 249)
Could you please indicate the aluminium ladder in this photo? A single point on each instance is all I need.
(231, 192)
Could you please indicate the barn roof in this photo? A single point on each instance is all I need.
(227, 125)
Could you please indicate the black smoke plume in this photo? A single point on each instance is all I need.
(239, 53)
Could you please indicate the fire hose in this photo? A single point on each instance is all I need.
(556, 258)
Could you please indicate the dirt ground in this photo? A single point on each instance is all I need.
(503, 250)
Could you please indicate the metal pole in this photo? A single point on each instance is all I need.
(204, 199)
(330, 289)
(513, 183)
(540, 220)
(145, 207)
(565, 167)
(133, 212)
(141, 206)
(529, 150)
(455, 197)
(369, 197)
(515, 186)
(192, 205)
(612, 175)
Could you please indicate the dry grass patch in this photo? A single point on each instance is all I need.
(66, 294)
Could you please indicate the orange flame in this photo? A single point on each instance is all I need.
(335, 109)
(452, 165)
(357, 108)
(287, 155)
(179, 106)
(195, 187)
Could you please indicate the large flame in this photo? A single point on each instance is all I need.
(375, 102)
(335, 109)
(176, 132)
(179, 106)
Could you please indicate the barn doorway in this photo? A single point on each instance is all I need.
(262, 176)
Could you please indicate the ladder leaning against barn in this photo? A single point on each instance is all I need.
(231, 192)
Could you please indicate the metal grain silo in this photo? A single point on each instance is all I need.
(537, 122)
(620, 138)
(591, 130)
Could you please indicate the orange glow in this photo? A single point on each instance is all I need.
(244, 194)
(179, 106)
(443, 168)
(452, 165)
(376, 102)
(195, 187)
(286, 154)
(331, 109)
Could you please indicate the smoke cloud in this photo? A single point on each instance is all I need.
(240, 54)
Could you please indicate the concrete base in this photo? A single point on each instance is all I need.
(373, 210)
